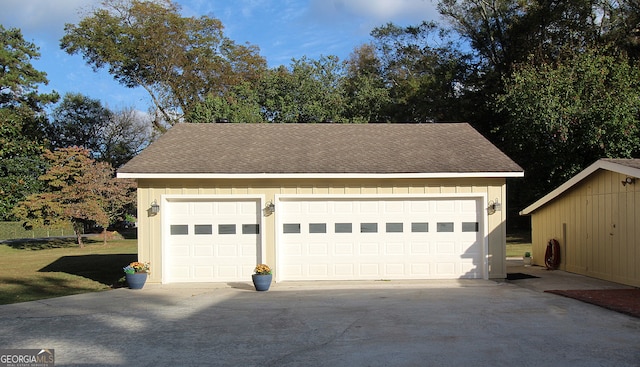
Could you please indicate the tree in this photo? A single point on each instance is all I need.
(240, 104)
(564, 116)
(177, 60)
(307, 91)
(367, 97)
(126, 134)
(78, 121)
(112, 136)
(78, 190)
(22, 117)
(422, 70)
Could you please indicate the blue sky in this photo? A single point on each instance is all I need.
(282, 29)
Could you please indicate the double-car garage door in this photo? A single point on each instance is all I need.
(347, 238)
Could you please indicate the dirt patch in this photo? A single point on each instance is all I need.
(625, 301)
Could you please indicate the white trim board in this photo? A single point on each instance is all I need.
(319, 175)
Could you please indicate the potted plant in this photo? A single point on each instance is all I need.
(136, 274)
(262, 277)
(527, 258)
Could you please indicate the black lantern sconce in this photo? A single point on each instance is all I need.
(269, 208)
(154, 209)
(494, 206)
(628, 181)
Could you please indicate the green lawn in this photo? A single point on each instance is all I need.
(33, 270)
(518, 243)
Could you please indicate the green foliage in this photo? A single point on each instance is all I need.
(422, 81)
(566, 115)
(21, 120)
(78, 121)
(77, 190)
(367, 97)
(112, 136)
(13, 230)
(240, 104)
(307, 91)
(177, 60)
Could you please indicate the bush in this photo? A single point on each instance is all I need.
(13, 230)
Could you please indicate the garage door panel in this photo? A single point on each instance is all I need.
(446, 248)
(445, 269)
(393, 207)
(344, 248)
(295, 271)
(369, 248)
(205, 250)
(344, 271)
(394, 269)
(319, 270)
(318, 249)
(369, 270)
(203, 271)
(394, 248)
(420, 270)
(368, 207)
(343, 207)
(202, 209)
(445, 206)
(383, 239)
(419, 206)
(420, 248)
(228, 272)
(469, 207)
(318, 208)
(227, 251)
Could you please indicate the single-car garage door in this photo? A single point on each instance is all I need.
(211, 240)
(408, 238)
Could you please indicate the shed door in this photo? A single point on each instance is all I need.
(351, 239)
(211, 240)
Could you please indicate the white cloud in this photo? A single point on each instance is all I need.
(381, 11)
(42, 17)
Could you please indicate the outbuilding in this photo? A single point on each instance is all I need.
(595, 217)
(322, 202)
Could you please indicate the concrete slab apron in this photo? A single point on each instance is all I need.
(439, 323)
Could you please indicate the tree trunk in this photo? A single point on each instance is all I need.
(78, 229)
(104, 236)
(79, 237)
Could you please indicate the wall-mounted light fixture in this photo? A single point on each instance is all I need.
(154, 209)
(269, 208)
(628, 181)
(494, 206)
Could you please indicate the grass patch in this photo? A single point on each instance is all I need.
(518, 243)
(32, 270)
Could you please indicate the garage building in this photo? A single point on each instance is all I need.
(595, 217)
(322, 202)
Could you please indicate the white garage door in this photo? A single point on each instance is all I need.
(211, 240)
(346, 239)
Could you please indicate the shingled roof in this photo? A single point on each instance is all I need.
(192, 149)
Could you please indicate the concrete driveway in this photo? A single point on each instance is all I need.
(408, 323)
